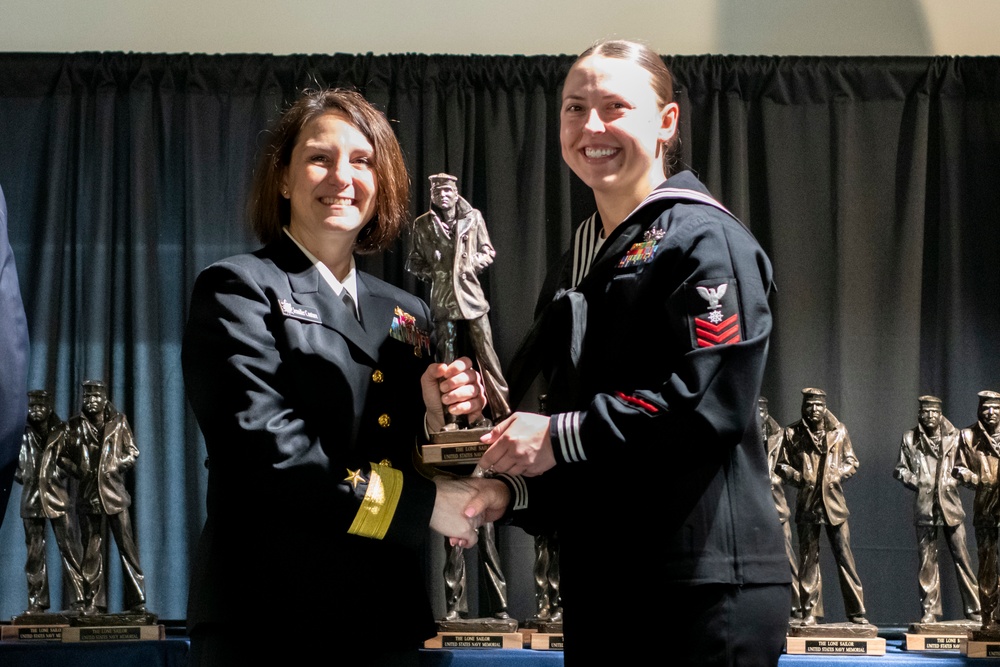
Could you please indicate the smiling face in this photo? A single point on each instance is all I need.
(613, 127)
(330, 181)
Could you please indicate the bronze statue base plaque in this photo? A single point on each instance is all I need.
(834, 646)
(545, 634)
(834, 639)
(935, 642)
(475, 640)
(982, 648)
(488, 632)
(940, 635)
(546, 641)
(983, 643)
(114, 633)
(37, 626)
(459, 447)
(31, 633)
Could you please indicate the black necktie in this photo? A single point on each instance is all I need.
(349, 302)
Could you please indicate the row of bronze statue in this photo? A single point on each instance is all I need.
(815, 455)
(73, 477)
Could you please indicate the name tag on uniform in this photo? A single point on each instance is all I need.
(295, 312)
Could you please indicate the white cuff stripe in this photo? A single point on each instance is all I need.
(520, 501)
(568, 433)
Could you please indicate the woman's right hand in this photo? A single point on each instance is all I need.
(456, 385)
(464, 504)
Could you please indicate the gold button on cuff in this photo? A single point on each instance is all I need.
(377, 377)
(384, 421)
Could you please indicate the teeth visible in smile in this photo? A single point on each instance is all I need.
(336, 201)
(599, 152)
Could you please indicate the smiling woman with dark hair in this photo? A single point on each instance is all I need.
(652, 336)
(312, 383)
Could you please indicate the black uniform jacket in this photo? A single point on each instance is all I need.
(654, 365)
(292, 394)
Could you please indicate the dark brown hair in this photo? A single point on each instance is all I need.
(661, 79)
(269, 211)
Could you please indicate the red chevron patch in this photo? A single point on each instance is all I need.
(638, 402)
(725, 332)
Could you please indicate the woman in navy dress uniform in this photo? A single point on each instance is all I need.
(312, 382)
(652, 337)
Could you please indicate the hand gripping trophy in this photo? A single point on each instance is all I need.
(449, 248)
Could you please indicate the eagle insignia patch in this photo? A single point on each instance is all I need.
(715, 313)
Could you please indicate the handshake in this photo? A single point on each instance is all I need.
(464, 504)
(519, 445)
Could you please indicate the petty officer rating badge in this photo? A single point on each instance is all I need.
(716, 319)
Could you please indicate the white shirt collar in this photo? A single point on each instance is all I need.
(350, 282)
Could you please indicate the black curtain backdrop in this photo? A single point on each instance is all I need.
(871, 183)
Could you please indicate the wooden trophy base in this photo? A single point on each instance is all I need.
(477, 633)
(939, 636)
(546, 641)
(32, 633)
(74, 626)
(114, 633)
(543, 634)
(834, 639)
(453, 448)
(982, 644)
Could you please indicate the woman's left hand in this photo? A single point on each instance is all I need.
(456, 386)
(520, 445)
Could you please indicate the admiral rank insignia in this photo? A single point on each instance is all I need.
(643, 251)
(404, 328)
(717, 318)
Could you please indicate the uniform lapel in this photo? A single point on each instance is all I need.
(377, 310)
(311, 292)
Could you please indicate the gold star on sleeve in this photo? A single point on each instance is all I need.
(355, 477)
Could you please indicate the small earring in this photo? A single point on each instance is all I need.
(284, 193)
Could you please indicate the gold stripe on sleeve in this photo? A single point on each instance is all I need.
(385, 485)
